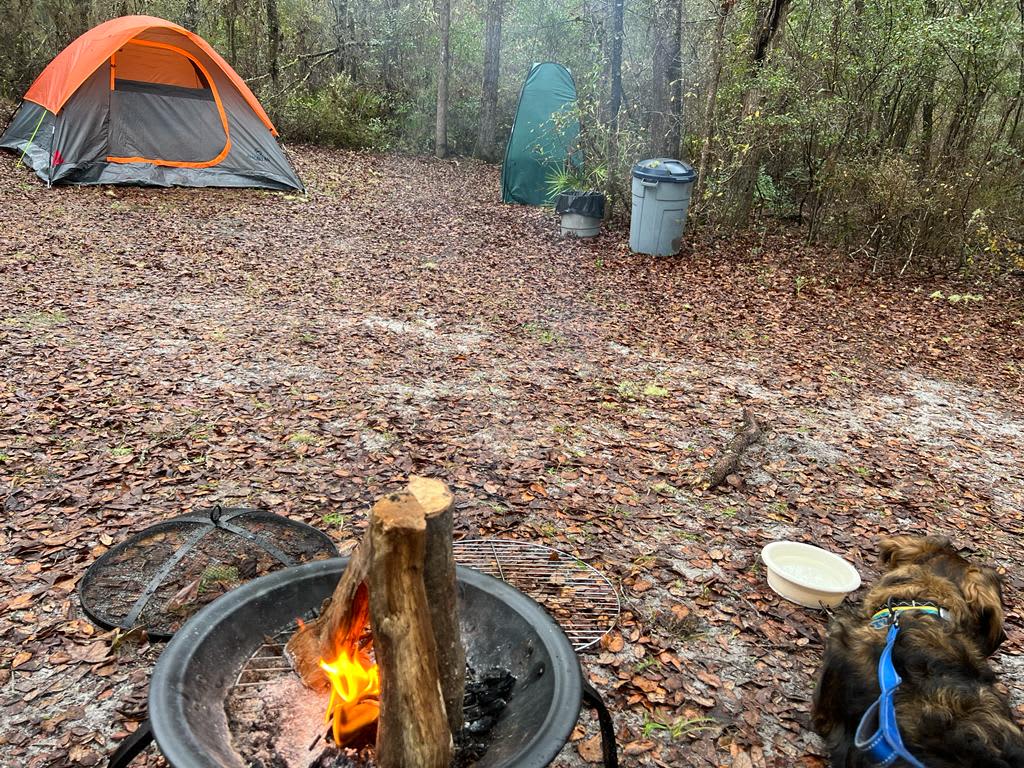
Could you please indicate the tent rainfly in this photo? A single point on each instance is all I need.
(543, 134)
(139, 100)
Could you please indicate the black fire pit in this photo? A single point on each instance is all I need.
(501, 628)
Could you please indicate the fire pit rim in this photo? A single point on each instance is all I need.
(169, 682)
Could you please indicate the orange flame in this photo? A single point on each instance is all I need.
(355, 693)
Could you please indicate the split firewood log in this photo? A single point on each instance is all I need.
(413, 725)
(442, 592)
(342, 621)
(346, 614)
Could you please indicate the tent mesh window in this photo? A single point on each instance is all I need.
(160, 577)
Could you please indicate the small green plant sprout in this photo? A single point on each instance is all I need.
(121, 450)
(627, 390)
(680, 727)
(655, 390)
(651, 662)
(217, 574)
(799, 284)
(957, 298)
(334, 518)
(27, 321)
(541, 333)
(302, 438)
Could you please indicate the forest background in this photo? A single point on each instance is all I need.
(889, 128)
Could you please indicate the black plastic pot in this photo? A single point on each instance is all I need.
(501, 627)
(589, 204)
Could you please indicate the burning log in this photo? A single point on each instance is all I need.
(401, 580)
(413, 727)
(340, 624)
(439, 580)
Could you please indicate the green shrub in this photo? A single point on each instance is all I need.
(341, 114)
(939, 223)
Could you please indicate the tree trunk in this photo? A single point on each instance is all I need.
(413, 727)
(232, 23)
(273, 40)
(664, 124)
(615, 102)
(444, 11)
(340, 28)
(769, 22)
(616, 187)
(928, 105)
(675, 92)
(190, 16)
(486, 148)
(391, 48)
(712, 98)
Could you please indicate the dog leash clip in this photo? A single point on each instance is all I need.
(894, 615)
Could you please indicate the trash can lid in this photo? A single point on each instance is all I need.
(664, 169)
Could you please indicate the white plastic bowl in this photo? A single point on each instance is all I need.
(808, 575)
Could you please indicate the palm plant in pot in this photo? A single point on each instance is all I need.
(579, 201)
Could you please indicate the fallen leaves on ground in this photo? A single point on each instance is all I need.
(165, 350)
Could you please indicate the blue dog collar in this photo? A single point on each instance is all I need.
(878, 733)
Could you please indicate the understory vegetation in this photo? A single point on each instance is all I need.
(892, 130)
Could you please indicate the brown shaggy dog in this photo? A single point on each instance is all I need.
(948, 709)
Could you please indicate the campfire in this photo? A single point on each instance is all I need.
(385, 662)
(400, 684)
(223, 694)
(355, 694)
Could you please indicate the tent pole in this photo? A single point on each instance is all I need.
(49, 161)
(30, 138)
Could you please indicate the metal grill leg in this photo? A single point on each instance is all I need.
(132, 746)
(608, 747)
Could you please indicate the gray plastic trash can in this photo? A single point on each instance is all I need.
(661, 197)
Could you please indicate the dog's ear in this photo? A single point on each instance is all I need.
(895, 551)
(983, 591)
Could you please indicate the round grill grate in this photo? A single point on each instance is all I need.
(161, 576)
(581, 599)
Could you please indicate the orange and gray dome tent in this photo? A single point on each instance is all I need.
(139, 100)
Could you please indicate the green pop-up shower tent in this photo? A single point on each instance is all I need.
(543, 134)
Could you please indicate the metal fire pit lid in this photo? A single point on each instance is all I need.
(578, 596)
(158, 578)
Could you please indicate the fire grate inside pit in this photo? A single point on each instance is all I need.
(581, 599)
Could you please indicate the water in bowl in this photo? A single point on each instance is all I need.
(809, 572)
